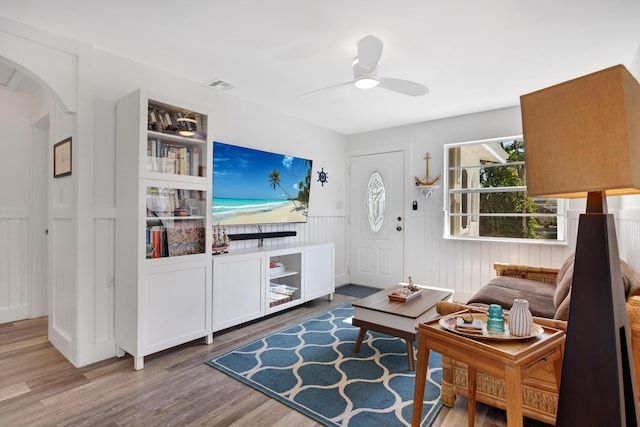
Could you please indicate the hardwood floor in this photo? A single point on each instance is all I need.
(39, 387)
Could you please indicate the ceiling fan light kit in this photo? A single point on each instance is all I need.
(366, 82)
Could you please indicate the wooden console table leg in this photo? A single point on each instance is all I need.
(421, 378)
(361, 334)
(472, 375)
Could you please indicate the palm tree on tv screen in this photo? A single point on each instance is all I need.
(274, 181)
(305, 186)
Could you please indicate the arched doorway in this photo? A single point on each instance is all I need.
(53, 64)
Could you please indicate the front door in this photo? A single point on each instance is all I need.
(377, 219)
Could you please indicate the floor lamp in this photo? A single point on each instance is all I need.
(582, 137)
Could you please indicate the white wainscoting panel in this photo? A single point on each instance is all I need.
(14, 268)
(62, 318)
(466, 265)
(104, 295)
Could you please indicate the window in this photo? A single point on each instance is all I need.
(376, 201)
(487, 194)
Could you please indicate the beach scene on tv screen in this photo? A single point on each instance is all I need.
(258, 187)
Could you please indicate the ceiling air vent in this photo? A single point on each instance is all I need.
(221, 85)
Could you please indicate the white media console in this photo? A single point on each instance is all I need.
(253, 283)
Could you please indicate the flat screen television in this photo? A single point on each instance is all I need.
(258, 187)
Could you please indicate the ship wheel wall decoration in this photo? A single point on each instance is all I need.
(322, 176)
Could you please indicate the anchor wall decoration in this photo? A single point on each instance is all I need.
(427, 182)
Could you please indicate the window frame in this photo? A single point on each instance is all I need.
(561, 204)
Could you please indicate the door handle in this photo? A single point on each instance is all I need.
(399, 228)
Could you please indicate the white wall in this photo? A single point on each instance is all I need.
(232, 120)
(461, 265)
(465, 265)
(15, 146)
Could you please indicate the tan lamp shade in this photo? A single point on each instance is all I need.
(583, 135)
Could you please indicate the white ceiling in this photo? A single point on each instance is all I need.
(473, 55)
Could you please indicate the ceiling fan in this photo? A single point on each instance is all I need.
(365, 72)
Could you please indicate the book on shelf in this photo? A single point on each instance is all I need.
(162, 119)
(168, 165)
(195, 161)
(186, 237)
(182, 161)
(167, 118)
(278, 299)
(280, 294)
(152, 119)
(171, 158)
(156, 241)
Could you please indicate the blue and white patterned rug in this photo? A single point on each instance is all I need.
(312, 368)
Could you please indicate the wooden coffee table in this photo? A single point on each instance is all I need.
(511, 360)
(399, 319)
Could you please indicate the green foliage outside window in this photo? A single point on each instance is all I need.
(510, 175)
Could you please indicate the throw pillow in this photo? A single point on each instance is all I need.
(562, 296)
(563, 283)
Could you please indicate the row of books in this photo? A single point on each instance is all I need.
(164, 202)
(183, 237)
(157, 239)
(280, 294)
(162, 120)
(170, 158)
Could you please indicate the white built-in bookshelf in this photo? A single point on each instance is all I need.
(163, 225)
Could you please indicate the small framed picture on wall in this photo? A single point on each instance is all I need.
(62, 158)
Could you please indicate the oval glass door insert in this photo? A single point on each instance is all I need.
(376, 201)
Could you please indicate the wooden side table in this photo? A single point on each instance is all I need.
(511, 360)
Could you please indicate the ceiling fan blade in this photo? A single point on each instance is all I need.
(403, 86)
(369, 52)
(328, 88)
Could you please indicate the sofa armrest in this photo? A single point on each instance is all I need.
(539, 274)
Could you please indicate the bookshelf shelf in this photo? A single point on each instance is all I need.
(170, 137)
(182, 233)
(163, 201)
